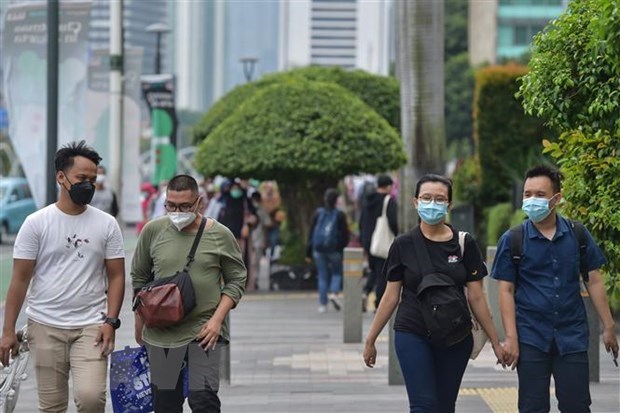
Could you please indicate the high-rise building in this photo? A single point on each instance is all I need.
(212, 39)
(137, 15)
(501, 29)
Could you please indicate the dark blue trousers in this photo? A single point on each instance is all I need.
(570, 373)
(432, 374)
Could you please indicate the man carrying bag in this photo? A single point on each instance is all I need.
(218, 279)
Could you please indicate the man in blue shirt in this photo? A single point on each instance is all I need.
(542, 311)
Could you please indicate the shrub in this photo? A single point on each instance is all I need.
(498, 221)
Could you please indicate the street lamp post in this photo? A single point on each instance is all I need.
(159, 29)
(248, 67)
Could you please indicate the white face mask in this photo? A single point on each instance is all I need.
(100, 179)
(182, 219)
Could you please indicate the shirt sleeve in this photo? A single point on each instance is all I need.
(473, 260)
(114, 243)
(393, 269)
(142, 262)
(234, 272)
(26, 245)
(594, 256)
(503, 267)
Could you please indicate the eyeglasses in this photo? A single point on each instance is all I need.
(427, 199)
(186, 207)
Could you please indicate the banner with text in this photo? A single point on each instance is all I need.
(158, 91)
(25, 82)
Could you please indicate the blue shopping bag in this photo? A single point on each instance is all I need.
(130, 381)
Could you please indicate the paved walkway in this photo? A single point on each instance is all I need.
(286, 357)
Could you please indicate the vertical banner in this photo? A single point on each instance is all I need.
(158, 91)
(25, 82)
(98, 122)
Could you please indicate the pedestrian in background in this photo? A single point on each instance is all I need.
(372, 209)
(542, 310)
(432, 372)
(329, 235)
(105, 197)
(218, 277)
(69, 260)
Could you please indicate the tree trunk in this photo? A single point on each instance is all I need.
(300, 200)
(420, 60)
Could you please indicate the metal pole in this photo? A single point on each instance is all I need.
(116, 97)
(52, 97)
(353, 271)
(158, 54)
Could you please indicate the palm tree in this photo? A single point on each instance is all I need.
(419, 64)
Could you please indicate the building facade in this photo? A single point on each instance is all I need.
(211, 40)
(503, 29)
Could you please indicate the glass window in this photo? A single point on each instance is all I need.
(521, 35)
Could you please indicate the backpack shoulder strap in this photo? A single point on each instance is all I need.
(419, 247)
(462, 235)
(516, 245)
(580, 233)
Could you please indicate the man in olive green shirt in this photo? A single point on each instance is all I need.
(218, 276)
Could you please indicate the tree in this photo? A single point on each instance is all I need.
(420, 57)
(574, 85)
(379, 92)
(459, 99)
(574, 79)
(455, 39)
(305, 134)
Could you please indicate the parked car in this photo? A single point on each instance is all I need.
(16, 203)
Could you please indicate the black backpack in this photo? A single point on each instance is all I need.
(442, 303)
(516, 246)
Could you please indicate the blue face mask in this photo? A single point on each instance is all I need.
(536, 209)
(432, 213)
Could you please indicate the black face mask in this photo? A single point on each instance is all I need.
(81, 193)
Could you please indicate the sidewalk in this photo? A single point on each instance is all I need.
(286, 357)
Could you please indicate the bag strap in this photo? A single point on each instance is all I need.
(462, 235)
(580, 233)
(192, 252)
(424, 260)
(386, 201)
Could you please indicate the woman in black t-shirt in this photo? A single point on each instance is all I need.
(432, 373)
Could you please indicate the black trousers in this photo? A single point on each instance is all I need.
(167, 378)
(375, 279)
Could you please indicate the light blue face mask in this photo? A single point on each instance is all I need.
(432, 213)
(536, 209)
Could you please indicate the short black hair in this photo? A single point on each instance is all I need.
(65, 156)
(434, 178)
(550, 172)
(183, 183)
(331, 197)
(383, 181)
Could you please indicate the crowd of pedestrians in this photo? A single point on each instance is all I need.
(201, 244)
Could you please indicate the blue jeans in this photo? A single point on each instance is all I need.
(432, 374)
(329, 273)
(570, 373)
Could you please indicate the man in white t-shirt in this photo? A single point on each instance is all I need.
(71, 256)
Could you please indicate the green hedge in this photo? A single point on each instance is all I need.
(507, 141)
(498, 221)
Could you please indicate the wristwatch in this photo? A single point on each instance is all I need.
(114, 322)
